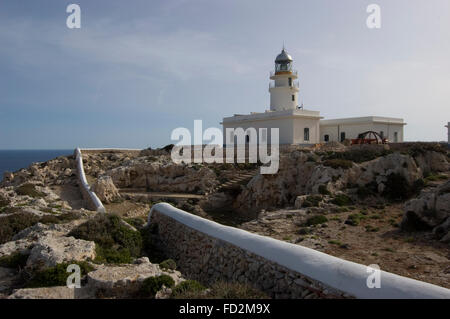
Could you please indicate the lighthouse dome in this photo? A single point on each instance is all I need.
(283, 57)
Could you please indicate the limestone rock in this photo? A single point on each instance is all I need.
(44, 293)
(8, 278)
(124, 280)
(8, 176)
(299, 201)
(12, 247)
(105, 189)
(430, 210)
(50, 251)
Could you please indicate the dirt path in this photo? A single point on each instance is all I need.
(376, 240)
(70, 194)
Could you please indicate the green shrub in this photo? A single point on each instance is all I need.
(135, 222)
(12, 224)
(436, 177)
(59, 219)
(370, 189)
(150, 286)
(398, 189)
(370, 228)
(30, 190)
(354, 219)
(358, 155)
(338, 163)
(342, 200)
(4, 201)
(323, 190)
(112, 255)
(116, 242)
(15, 260)
(417, 149)
(312, 201)
(316, 220)
(56, 276)
(187, 287)
(168, 264)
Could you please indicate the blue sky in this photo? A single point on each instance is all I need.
(138, 69)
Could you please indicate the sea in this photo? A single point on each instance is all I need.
(13, 160)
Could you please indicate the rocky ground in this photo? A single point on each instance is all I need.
(44, 228)
(373, 205)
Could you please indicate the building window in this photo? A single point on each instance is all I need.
(306, 134)
(342, 136)
(395, 137)
(326, 138)
(290, 81)
(247, 138)
(293, 97)
(382, 134)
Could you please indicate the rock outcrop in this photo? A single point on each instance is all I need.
(50, 251)
(431, 210)
(124, 280)
(105, 189)
(300, 173)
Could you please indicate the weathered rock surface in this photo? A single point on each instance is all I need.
(8, 278)
(430, 210)
(12, 247)
(52, 293)
(164, 175)
(299, 174)
(109, 277)
(122, 281)
(105, 189)
(50, 251)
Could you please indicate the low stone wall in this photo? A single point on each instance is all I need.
(128, 151)
(208, 252)
(92, 201)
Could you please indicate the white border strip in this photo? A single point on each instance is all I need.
(110, 149)
(337, 273)
(84, 183)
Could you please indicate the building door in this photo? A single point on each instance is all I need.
(326, 138)
(342, 136)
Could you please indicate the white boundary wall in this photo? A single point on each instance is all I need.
(88, 195)
(345, 276)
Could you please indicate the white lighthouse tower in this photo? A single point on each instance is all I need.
(284, 88)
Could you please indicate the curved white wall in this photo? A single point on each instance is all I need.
(93, 201)
(337, 273)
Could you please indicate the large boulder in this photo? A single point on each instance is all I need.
(8, 278)
(105, 189)
(50, 251)
(62, 292)
(431, 210)
(124, 280)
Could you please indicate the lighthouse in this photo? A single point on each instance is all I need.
(297, 125)
(284, 87)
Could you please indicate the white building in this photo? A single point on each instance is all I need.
(341, 129)
(299, 126)
(448, 129)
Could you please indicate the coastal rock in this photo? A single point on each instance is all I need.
(50, 251)
(125, 279)
(43, 293)
(8, 278)
(12, 247)
(8, 176)
(105, 189)
(430, 210)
